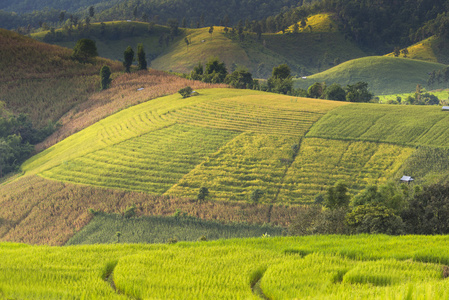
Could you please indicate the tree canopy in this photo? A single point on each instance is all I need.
(84, 50)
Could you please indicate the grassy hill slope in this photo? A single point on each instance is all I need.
(431, 49)
(385, 75)
(331, 267)
(235, 141)
(306, 52)
(159, 153)
(41, 211)
(42, 80)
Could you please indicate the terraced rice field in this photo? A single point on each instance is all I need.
(312, 267)
(321, 162)
(236, 141)
(250, 161)
(411, 125)
(151, 163)
(244, 142)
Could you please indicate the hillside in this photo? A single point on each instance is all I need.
(42, 80)
(385, 75)
(318, 49)
(431, 49)
(157, 154)
(330, 267)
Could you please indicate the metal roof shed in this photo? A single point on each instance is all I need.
(406, 179)
(446, 108)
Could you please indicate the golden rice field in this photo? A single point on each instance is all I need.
(235, 141)
(312, 267)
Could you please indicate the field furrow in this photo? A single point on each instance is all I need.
(321, 163)
(234, 115)
(150, 163)
(250, 161)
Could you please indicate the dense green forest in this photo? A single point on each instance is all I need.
(26, 6)
(17, 136)
(376, 25)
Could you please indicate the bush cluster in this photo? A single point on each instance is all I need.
(390, 209)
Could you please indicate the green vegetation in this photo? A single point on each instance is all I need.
(427, 165)
(158, 229)
(17, 135)
(43, 81)
(259, 56)
(401, 125)
(363, 266)
(51, 212)
(357, 163)
(384, 75)
(152, 162)
(233, 142)
(401, 98)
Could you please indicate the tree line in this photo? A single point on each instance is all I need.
(17, 137)
(389, 208)
(281, 82)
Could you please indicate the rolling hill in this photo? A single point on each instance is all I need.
(431, 49)
(385, 75)
(306, 52)
(42, 80)
(159, 153)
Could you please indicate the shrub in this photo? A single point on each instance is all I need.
(374, 219)
(186, 92)
(130, 211)
(203, 193)
(84, 50)
(172, 240)
(105, 74)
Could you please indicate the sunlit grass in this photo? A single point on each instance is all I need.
(315, 267)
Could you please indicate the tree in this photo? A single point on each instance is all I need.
(296, 28)
(128, 56)
(215, 71)
(197, 73)
(282, 72)
(389, 195)
(61, 16)
(240, 79)
(186, 92)
(174, 27)
(374, 219)
(404, 52)
(428, 211)
(334, 92)
(142, 61)
(91, 11)
(315, 90)
(84, 50)
(105, 74)
(280, 80)
(396, 51)
(337, 196)
(203, 193)
(211, 29)
(358, 92)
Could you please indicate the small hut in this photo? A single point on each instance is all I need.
(445, 108)
(406, 179)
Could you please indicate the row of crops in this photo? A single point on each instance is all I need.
(152, 162)
(234, 142)
(315, 267)
(410, 125)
